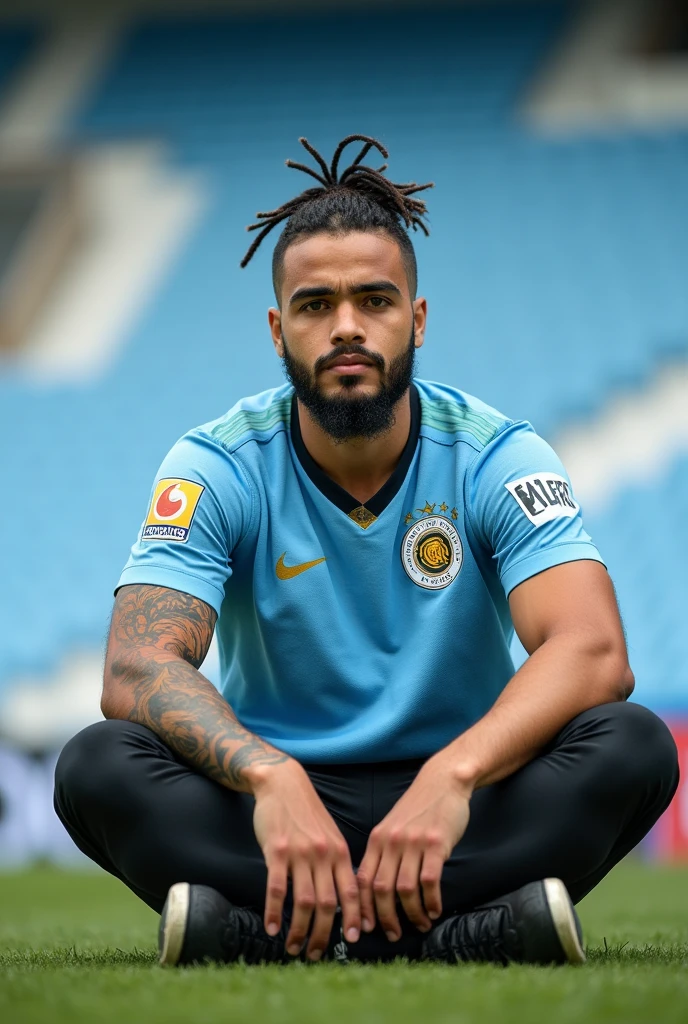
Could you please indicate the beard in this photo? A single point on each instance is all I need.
(344, 417)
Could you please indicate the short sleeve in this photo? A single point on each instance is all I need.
(521, 505)
(200, 507)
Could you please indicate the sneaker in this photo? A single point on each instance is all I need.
(198, 924)
(534, 925)
(372, 947)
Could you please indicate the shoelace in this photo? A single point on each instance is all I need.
(479, 935)
(243, 935)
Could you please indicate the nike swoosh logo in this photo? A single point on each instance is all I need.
(287, 572)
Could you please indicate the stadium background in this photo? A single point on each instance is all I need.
(138, 140)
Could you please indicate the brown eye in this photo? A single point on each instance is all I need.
(315, 306)
(376, 301)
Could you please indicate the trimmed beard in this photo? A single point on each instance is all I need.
(344, 418)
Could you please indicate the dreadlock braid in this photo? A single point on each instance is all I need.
(360, 198)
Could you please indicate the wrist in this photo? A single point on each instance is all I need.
(261, 776)
(465, 775)
(453, 772)
(462, 771)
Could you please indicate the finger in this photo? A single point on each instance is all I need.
(430, 877)
(349, 899)
(325, 906)
(408, 888)
(364, 880)
(384, 888)
(304, 902)
(275, 893)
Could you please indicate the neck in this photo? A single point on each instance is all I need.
(359, 465)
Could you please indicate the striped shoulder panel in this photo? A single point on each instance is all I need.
(241, 424)
(449, 417)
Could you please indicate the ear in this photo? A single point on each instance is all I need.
(275, 322)
(420, 318)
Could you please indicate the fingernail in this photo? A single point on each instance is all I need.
(315, 955)
(352, 935)
(392, 936)
(424, 928)
(272, 928)
(294, 949)
(433, 915)
(367, 925)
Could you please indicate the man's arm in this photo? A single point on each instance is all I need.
(568, 621)
(158, 639)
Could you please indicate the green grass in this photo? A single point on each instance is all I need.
(80, 947)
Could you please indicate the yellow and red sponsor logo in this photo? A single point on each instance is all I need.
(172, 509)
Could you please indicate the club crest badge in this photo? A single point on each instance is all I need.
(432, 553)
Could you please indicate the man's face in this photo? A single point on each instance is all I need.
(348, 330)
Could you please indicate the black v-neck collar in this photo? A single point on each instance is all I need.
(336, 494)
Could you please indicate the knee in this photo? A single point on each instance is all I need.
(91, 762)
(638, 744)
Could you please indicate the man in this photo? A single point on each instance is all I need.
(373, 779)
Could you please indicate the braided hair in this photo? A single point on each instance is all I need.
(359, 198)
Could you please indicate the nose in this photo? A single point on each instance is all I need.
(347, 329)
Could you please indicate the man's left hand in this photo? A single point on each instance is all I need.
(407, 850)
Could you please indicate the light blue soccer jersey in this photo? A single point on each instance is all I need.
(351, 633)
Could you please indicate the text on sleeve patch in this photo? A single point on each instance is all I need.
(172, 510)
(543, 497)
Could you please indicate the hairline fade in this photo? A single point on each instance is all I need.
(327, 221)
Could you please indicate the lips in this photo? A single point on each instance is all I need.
(349, 363)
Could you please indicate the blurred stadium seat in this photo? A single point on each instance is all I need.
(555, 273)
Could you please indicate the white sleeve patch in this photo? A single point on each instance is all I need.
(543, 497)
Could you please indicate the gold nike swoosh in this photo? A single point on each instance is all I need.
(287, 572)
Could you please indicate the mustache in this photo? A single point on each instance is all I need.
(349, 350)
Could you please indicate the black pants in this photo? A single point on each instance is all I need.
(132, 806)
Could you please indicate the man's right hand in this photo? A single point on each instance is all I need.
(299, 839)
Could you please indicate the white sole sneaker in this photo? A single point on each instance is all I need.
(175, 915)
(564, 920)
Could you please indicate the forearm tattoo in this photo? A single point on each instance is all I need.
(158, 640)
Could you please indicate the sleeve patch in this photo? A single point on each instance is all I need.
(172, 510)
(543, 497)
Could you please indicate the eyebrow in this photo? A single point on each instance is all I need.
(357, 289)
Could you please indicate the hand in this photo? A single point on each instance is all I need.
(299, 839)
(410, 846)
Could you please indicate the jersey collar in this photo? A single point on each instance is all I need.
(365, 514)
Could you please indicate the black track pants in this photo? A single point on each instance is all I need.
(132, 806)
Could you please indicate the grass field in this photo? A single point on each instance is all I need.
(79, 948)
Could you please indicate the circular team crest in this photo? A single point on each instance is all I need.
(432, 553)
